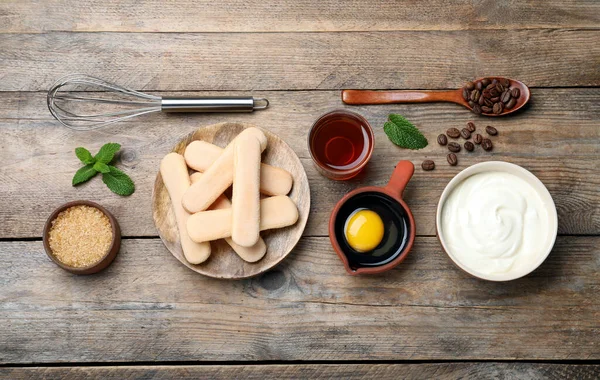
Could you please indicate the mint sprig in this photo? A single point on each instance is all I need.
(403, 133)
(116, 180)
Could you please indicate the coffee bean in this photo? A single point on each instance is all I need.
(505, 82)
(477, 138)
(469, 146)
(428, 165)
(488, 103)
(490, 86)
(515, 92)
(498, 108)
(491, 130)
(494, 81)
(481, 100)
(486, 144)
(471, 103)
(465, 133)
(479, 86)
(452, 160)
(465, 94)
(505, 96)
(486, 109)
(511, 103)
(495, 99)
(499, 88)
(442, 139)
(470, 86)
(475, 96)
(494, 93)
(453, 132)
(477, 109)
(471, 126)
(485, 81)
(454, 147)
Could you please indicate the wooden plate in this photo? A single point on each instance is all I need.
(224, 262)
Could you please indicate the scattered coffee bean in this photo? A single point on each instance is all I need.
(469, 146)
(491, 130)
(452, 160)
(471, 126)
(477, 139)
(515, 92)
(505, 97)
(498, 108)
(486, 144)
(477, 109)
(428, 165)
(511, 103)
(454, 147)
(442, 139)
(453, 132)
(465, 133)
(470, 86)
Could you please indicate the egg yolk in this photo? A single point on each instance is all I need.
(364, 230)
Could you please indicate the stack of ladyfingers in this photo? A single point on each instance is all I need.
(203, 211)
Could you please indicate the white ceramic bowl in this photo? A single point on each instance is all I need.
(538, 187)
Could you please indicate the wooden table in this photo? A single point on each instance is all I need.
(148, 316)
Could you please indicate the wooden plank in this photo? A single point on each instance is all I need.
(277, 16)
(283, 61)
(557, 138)
(440, 371)
(148, 307)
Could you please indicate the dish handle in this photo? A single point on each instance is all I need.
(402, 174)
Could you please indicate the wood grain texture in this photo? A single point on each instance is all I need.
(302, 15)
(294, 61)
(224, 263)
(148, 307)
(440, 371)
(556, 137)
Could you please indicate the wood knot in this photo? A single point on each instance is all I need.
(272, 280)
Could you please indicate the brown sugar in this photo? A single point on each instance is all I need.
(80, 236)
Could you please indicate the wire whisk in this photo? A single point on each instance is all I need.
(82, 102)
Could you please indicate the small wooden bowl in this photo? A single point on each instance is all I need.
(106, 259)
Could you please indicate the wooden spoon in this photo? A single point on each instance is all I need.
(454, 96)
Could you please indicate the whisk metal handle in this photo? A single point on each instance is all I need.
(213, 104)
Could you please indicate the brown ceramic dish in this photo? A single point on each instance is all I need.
(452, 96)
(108, 257)
(390, 197)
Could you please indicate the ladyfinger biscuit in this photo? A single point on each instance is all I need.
(218, 177)
(175, 176)
(249, 254)
(200, 155)
(275, 212)
(246, 195)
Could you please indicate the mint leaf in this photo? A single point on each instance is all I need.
(101, 167)
(107, 152)
(118, 182)
(403, 133)
(84, 155)
(84, 174)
